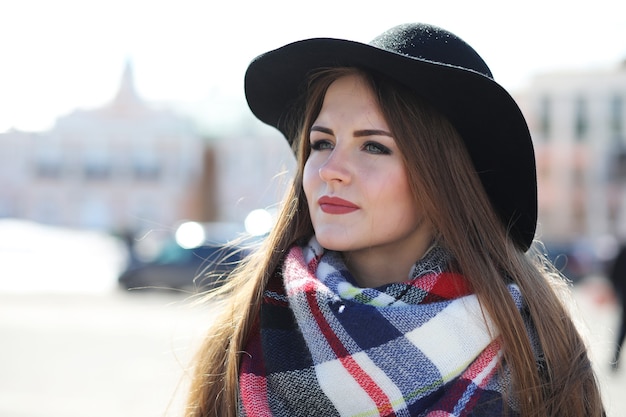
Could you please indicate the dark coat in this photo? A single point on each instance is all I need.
(617, 273)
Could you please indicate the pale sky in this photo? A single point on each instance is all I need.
(59, 55)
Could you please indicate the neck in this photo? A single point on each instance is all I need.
(375, 270)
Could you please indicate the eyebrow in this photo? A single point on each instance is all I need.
(358, 133)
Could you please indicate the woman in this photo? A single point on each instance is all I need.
(396, 280)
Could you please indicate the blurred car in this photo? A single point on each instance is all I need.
(194, 269)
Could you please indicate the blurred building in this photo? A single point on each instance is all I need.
(121, 167)
(578, 124)
(253, 171)
(130, 167)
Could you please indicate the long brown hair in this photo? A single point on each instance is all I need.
(446, 185)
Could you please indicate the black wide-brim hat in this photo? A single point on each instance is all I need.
(439, 67)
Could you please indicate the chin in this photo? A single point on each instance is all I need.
(338, 245)
(330, 243)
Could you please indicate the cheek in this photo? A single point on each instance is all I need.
(308, 178)
(397, 189)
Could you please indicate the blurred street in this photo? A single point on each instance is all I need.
(110, 354)
(599, 314)
(119, 353)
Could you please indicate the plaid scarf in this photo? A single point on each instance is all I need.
(325, 347)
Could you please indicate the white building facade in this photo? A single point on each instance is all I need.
(125, 166)
(578, 125)
(131, 167)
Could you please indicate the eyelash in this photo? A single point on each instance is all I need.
(371, 147)
(318, 145)
(380, 149)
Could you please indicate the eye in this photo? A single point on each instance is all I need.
(321, 144)
(376, 148)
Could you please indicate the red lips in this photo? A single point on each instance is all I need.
(336, 205)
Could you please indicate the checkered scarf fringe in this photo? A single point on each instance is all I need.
(325, 347)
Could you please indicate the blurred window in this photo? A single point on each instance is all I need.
(48, 162)
(146, 166)
(581, 115)
(97, 164)
(617, 121)
(619, 165)
(545, 116)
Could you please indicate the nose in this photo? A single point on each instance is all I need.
(336, 168)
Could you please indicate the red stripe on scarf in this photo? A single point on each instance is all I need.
(468, 381)
(252, 381)
(483, 360)
(472, 372)
(360, 376)
(443, 286)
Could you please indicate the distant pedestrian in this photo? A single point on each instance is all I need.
(617, 275)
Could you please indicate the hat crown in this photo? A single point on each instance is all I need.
(431, 43)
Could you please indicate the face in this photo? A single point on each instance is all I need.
(355, 180)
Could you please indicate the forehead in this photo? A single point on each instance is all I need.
(350, 86)
(350, 96)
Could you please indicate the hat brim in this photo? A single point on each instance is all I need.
(485, 115)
